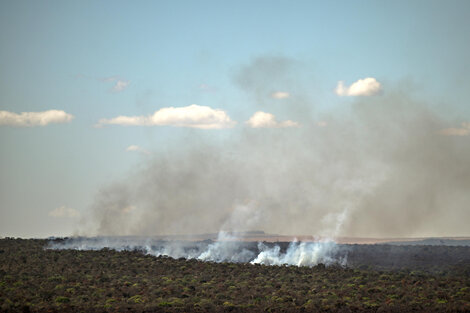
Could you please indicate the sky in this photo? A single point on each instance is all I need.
(100, 99)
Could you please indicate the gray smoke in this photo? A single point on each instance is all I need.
(227, 248)
(380, 167)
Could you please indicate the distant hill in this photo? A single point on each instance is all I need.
(433, 242)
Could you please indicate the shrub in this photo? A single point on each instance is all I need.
(62, 299)
(135, 299)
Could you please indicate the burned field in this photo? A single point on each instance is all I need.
(376, 278)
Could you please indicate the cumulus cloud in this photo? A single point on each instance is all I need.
(125, 121)
(29, 119)
(135, 148)
(267, 120)
(280, 95)
(64, 211)
(193, 116)
(464, 130)
(363, 87)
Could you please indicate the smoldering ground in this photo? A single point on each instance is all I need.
(379, 166)
(227, 248)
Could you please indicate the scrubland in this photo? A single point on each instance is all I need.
(35, 279)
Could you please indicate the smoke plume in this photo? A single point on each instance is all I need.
(228, 248)
(379, 166)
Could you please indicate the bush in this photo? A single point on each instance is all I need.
(61, 299)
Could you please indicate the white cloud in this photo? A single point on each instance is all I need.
(125, 121)
(267, 120)
(322, 124)
(29, 119)
(462, 131)
(64, 211)
(280, 95)
(120, 85)
(135, 148)
(363, 87)
(194, 116)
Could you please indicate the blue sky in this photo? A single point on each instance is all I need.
(68, 55)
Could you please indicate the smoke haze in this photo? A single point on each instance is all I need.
(382, 169)
(227, 248)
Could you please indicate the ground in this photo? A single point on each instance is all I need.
(36, 279)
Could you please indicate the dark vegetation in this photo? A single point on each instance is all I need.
(377, 280)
